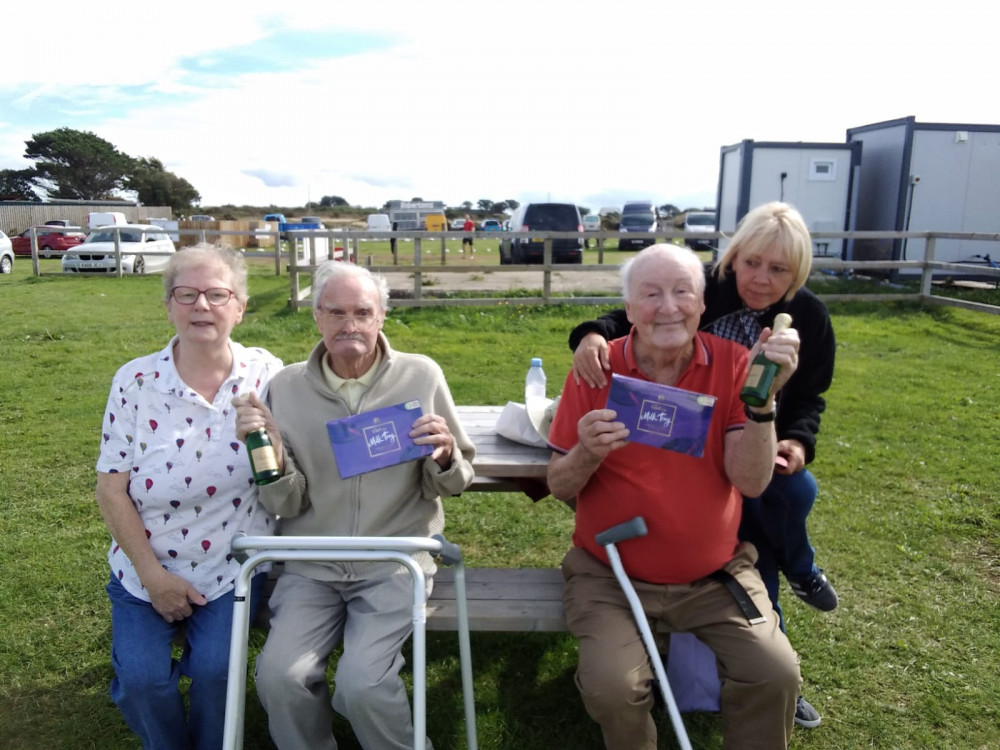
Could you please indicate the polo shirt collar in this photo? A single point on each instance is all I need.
(699, 358)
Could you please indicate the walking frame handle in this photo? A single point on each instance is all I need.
(621, 532)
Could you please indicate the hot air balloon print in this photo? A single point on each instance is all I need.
(175, 504)
(210, 490)
(189, 421)
(208, 432)
(235, 446)
(143, 446)
(236, 502)
(197, 454)
(197, 511)
(111, 417)
(187, 481)
(153, 425)
(230, 468)
(149, 484)
(205, 544)
(170, 465)
(180, 443)
(172, 553)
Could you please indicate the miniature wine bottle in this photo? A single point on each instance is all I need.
(757, 388)
(263, 460)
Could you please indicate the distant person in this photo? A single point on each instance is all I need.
(367, 607)
(691, 572)
(469, 227)
(763, 272)
(174, 486)
(392, 241)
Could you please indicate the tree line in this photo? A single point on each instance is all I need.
(79, 165)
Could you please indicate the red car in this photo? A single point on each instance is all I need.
(50, 241)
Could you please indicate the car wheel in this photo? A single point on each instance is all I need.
(139, 265)
(6, 264)
(46, 252)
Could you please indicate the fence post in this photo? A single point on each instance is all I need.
(35, 269)
(927, 274)
(547, 273)
(417, 275)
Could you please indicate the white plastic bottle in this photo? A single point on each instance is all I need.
(534, 382)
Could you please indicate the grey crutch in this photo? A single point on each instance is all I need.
(608, 539)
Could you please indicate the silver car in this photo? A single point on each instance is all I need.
(6, 254)
(144, 249)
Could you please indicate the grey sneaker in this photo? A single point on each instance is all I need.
(805, 715)
(816, 591)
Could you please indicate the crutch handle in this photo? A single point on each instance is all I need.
(450, 554)
(621, 532)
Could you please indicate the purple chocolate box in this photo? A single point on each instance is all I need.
(662, 416)
(375, 439)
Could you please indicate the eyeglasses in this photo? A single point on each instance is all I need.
(363, 319)
(188, 295)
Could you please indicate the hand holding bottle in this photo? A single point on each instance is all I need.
(256, 426)
(773, 360)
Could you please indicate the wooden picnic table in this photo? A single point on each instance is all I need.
(503, 465)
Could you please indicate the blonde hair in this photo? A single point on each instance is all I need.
(772, 225)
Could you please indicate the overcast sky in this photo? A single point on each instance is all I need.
(587, 102)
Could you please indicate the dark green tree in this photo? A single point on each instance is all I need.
(155, 186)
(512, 204)
(77, 164)
(669, 210)
(485, 204)
(328, 201)
(17, 185)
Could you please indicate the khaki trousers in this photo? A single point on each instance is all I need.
(758, 668)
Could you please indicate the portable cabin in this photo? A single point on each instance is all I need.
(816, 178)
(942, 177)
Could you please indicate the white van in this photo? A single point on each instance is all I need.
(105, 218)
(379, 223)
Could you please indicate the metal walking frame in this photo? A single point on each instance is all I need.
(608, 539)
(261, 549)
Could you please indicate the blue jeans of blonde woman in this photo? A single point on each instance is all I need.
(146, 675)
(775, 523)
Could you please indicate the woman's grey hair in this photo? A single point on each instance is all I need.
(333, 270)
(203, 255)
(683, 254)
(772, 225)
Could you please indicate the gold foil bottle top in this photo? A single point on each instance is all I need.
(781, 322)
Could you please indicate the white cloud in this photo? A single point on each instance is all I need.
(593, 102)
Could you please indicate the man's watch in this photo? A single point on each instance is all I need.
(760, 417)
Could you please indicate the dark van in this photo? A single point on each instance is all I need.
(544, 217)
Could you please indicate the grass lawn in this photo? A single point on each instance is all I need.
(906, 523)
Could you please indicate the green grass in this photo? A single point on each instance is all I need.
(906, 523)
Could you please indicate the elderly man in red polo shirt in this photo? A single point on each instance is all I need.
(692, 509)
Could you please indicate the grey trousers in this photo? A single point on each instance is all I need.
(373, 617)
(758, 667)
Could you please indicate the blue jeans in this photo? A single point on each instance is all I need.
(775, 523)
(145, 683)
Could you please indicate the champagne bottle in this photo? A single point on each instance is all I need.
(263, 461)
(757, 389)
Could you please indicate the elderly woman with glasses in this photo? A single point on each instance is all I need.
(365, 607)
(174, 485)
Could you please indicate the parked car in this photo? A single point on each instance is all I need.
(379, 223)
(543, 217)
(60, 223)
(50, 241)
(6, 254)
(490, 225)
(318, 220)
(458, 225)
(279, 218)
(201, 217)
(635, 222)
(591, 223)
(700, 221)
(144, 248)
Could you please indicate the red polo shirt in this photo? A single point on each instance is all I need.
(691, 508)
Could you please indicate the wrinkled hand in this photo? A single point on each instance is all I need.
(432, 429)
(781, 347)
(590, 361)
(172, 596)
(252, 414)
(599, 433)
(794, 453)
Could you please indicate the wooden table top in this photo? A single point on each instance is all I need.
(497, 456)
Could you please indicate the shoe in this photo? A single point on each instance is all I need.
(805, 715)
(816, 591)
